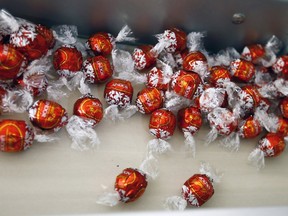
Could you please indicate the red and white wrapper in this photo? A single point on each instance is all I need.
(148, 169)
(123, 36)
(140, 61)
(222, 122)
(270, 145)
(179, 203)
(159, 77)
(270, 50)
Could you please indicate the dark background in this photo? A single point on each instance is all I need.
(147, 17)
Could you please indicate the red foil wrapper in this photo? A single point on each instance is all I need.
(97, 69)
(218, 75)
(118, 92)
(250, 128)
(281, 66)
(148, 100)
(32, 41)
(284, 107)
(89, 107)
(176, 38)
(252, 92)
(162, 124)
(272, 145)
(11, 62)
(101, 43)
(253, 52)
(67, 60)
(15, 135)
(48, 115)
(47, 34)
(130, 184)
(194, 61)
(189, 119)
(282, 129)
(156, 79)
(242, 70)
(197, 190)
(185, 83)
(143, 57)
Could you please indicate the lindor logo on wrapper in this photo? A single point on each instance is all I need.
(48, 115)
(15, 135)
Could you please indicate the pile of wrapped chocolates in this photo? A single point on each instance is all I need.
(238, 95)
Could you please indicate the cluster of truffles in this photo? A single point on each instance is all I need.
(239, 95)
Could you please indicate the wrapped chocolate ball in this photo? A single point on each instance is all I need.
(48, 115)
(262, 55)
(271, 145)
(185, 83)
(67, 60)
(129, 186)
(144, 57)
(87, 113)
(281, 66)
(222, 121)
(118, 94)
(184, 86)
(162, 126)
(249, 98)
(33, 41)
(155, 79)
(242, 70)
(176, 40)
(97, 69)
(47, 35)
(159, 77)
(253, 52)
(189, 121)
(89, 107)
(249, 128)
(30, 41)
(12, 63)
(149, 99)
(103, 43)
(16, 135)
(194, 61)
(196, 190)
(130, 189)
(219, 75)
